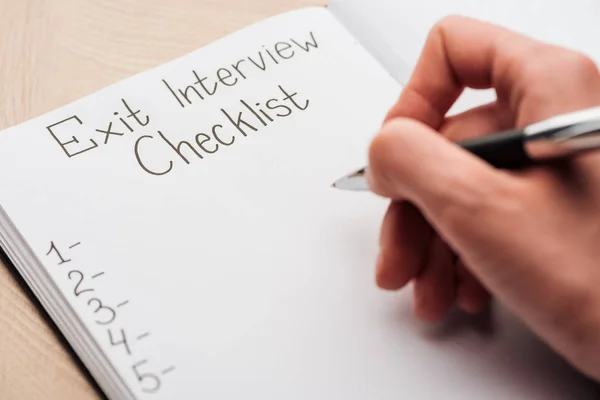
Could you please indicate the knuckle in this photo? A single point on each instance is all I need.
(548, 76)
(444, 25)
(552, 60)
(448, 22)
(543, 57)
(579, 62)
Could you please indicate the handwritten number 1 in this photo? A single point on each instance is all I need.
(53, 247)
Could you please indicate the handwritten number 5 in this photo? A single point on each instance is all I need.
(102, 308)
(151, 381)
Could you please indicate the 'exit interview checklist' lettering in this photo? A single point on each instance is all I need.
(76, 137)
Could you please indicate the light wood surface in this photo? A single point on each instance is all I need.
(51, 53)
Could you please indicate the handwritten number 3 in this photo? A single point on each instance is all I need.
(102, 308)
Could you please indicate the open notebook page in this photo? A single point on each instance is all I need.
(196, 237)
(395, 31)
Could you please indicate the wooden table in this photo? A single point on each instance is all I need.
(51, 53)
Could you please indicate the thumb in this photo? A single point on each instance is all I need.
(410, 161)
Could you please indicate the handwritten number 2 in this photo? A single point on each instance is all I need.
(77, 290)
(103, 309)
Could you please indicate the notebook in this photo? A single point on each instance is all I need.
(180, 229)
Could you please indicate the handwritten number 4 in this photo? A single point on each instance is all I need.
(123, 341)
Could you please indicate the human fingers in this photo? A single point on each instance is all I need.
(474, 123)
(404, 241)
(434, 287)
(471, 296)
(463, 52)
(430, 169)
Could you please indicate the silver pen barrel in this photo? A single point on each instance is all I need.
(563, 135)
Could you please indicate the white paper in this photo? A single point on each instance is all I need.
(395, 31)
(244, 274)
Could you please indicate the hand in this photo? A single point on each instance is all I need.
(462, 231)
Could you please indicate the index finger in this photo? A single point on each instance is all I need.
(460, 52)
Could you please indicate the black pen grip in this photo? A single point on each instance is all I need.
(504, 150)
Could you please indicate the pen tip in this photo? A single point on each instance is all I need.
(353, 181)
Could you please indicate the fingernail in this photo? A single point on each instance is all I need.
(469, 306)
(369, 178)
(380, 277)
(378, 262)
(418, 303)
(415, 308)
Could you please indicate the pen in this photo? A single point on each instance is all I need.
(556, 137)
